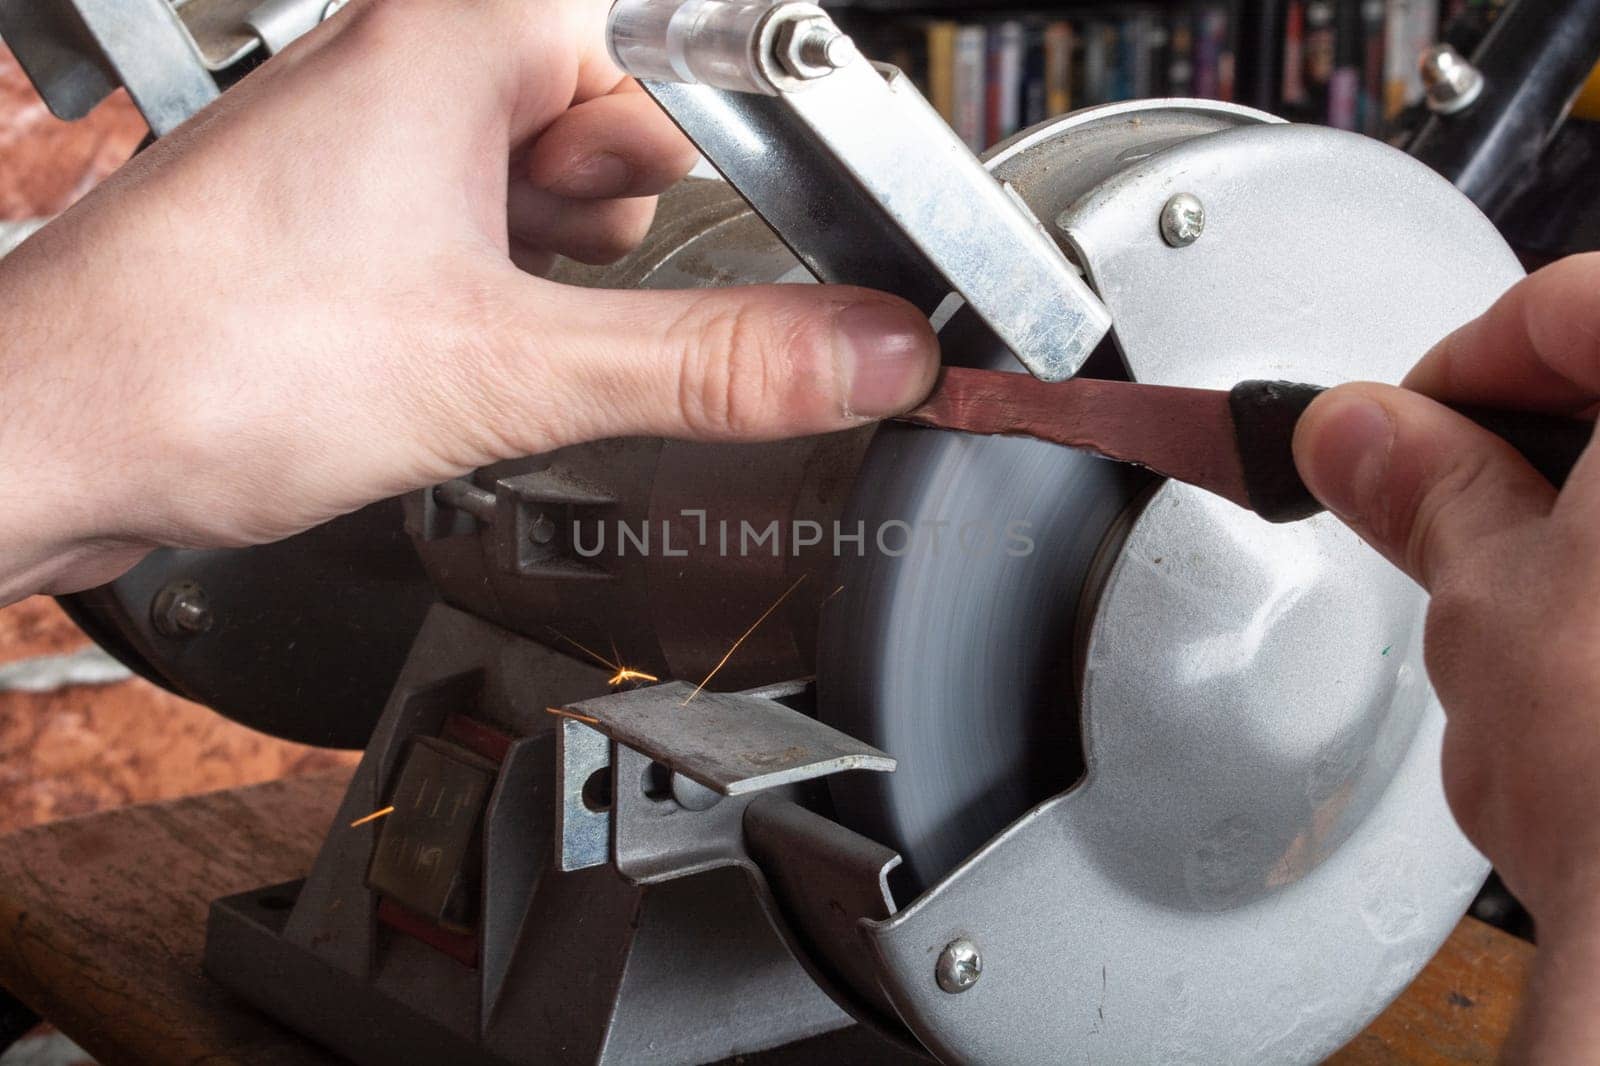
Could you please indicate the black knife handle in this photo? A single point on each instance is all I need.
(1552, 444)
(1265, 414)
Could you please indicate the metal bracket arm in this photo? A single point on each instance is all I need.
(709, 747)
(170, 54)
(854, 170)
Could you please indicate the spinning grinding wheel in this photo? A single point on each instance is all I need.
(962, 663)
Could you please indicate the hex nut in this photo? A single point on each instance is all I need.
(181, 610)
(812, 46)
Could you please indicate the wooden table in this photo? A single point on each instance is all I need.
(102, 920)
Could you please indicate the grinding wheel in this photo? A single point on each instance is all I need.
(960, 662)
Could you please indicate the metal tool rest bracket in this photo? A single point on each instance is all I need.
(585, 907)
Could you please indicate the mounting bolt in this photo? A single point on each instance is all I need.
(812, 46)
(959, 966)
(463, 495)
(1183, 219)
(181, 610)
(1452, 82)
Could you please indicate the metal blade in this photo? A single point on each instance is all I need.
(1179, 433)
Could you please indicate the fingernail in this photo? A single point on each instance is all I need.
(596, 177)
(887, 350)
(1348, 455)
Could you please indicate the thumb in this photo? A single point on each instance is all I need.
(752, 363)
(1417, 481)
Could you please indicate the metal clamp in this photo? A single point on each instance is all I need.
(853, 169)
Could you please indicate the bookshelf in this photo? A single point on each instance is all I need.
(994, 68)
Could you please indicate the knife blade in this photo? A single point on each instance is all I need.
(1237, 443)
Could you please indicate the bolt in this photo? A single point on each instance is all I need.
(1183, 219)
(812, 46)
(463, 495)
(1453, 83)
(827, 47)
(181, 610)
(541, 530)
(959, 966)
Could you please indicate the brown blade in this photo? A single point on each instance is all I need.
(1179, 433)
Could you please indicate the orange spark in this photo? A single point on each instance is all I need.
(742, 638)
(623, 673)
(373, 817)
(572, 714)
(596, 656)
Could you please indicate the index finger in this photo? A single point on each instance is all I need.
(1536, 349)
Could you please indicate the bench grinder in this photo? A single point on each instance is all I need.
(1019, 755)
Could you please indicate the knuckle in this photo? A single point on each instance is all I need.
(619, 232)
(608, 245)
(1427, 516)
(731, 369)
(379, 26)
(453, 344)
(1457, 615)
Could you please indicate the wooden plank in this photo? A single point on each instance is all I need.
(1458, 1010)
(102, 923)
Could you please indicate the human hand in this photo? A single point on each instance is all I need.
(1513, 632)
(308, 298)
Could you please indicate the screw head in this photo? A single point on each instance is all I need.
(1451, 81)
(1183, 219)
(959, 966)
(181, 610)
(541, 530)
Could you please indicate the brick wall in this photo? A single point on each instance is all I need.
(79, 734)
(45, 164)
